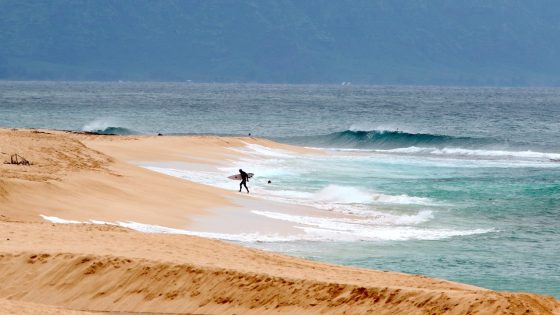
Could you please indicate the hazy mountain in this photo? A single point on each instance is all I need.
(461, 42)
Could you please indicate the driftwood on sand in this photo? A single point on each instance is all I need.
(17, 159)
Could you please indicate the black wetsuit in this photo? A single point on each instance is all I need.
(244, 179)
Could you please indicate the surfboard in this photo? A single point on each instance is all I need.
(238, 177)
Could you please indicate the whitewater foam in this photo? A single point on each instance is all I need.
(314, 228)
(386, 127)
(344, 199)
(241, 237)
(477, 153)
(149, 228)
(341, 194)
(389, 234)
(346, 194)
(373, 218)
(331, 229)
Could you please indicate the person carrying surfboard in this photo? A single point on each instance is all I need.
(244, 180)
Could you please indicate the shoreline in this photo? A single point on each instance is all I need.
(83, 177)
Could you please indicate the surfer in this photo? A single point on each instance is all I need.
(244, 180)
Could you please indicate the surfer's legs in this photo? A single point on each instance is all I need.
(243, 183)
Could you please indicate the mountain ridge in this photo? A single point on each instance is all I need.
(417, 42)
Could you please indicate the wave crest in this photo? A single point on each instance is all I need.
(107, 127)
(390, 139)
(114, 131)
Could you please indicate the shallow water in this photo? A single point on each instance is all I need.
(457, 183)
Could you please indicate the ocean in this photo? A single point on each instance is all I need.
(449, 182)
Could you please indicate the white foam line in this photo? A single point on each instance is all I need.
(242, 237)
(315, 229)
(148, 228)
(355, 230)
(59, 220)
(63, 221)
(476, 152)
(390, 234)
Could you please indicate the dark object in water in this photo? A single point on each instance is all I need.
(269, 182)
(159, 134)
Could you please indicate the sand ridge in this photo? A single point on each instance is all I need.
(77, 267)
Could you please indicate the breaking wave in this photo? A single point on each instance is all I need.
(107, 127)
(387, 139)
(114, 131)
(400, 142)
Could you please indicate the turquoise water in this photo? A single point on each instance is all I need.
(511, 208)
(456, 183)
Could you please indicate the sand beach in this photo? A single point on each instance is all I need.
(98, 265)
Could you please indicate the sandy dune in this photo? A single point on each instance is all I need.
(103, 268)
(72, 181)
(107, 268)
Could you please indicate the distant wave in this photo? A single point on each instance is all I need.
(389, 139)
(400, 142)
(107, 127)
(114, 131)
